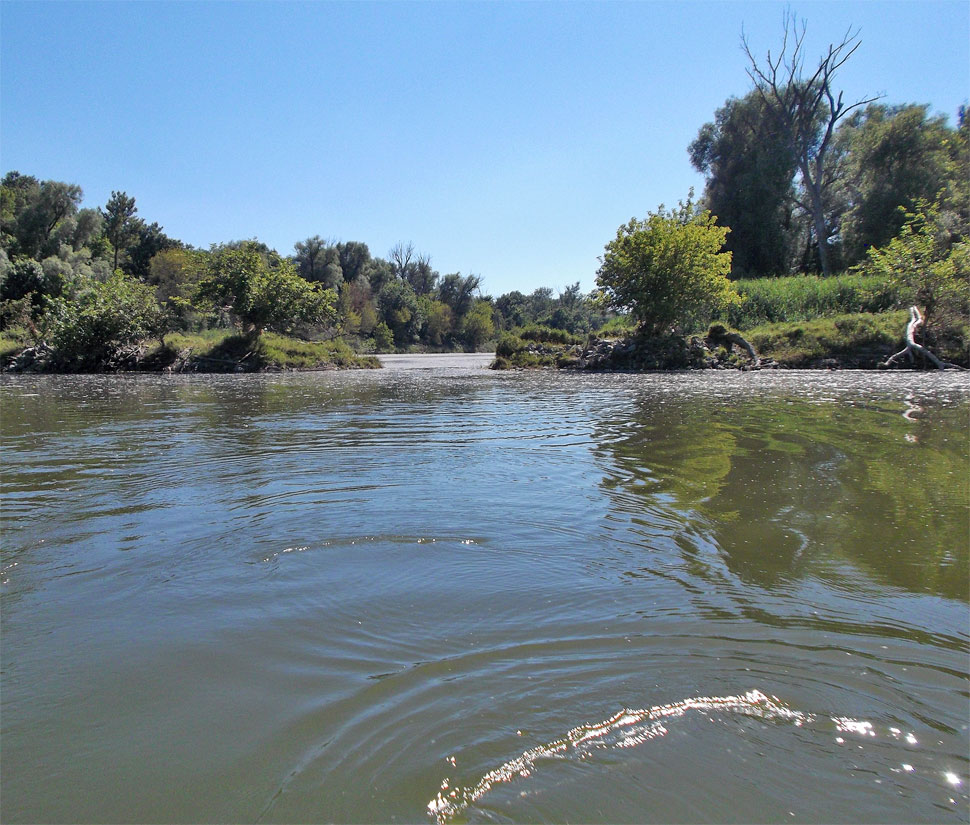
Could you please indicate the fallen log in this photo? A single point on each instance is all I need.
(915, 321)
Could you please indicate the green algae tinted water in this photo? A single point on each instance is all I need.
(448, 595)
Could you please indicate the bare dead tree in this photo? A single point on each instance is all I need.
(400, 257)
(807, 109)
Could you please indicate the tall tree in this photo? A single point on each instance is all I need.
(458, 291)
(750, 169)
(148, 241)
(806, 109)
(263, 296)
(120, 224)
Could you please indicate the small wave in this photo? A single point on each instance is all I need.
(625, 729)
(630, 728)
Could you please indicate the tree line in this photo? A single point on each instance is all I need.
(80, 277)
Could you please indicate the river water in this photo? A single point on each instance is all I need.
(449, 595)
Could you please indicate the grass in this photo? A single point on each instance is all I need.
(12, 341)
(804, 297)
(865, 338)
(221, 350)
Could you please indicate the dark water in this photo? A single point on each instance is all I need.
(455, 596)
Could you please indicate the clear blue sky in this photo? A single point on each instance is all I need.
(507, 140)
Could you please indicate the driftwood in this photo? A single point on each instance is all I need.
(718, 335)
(915, 321)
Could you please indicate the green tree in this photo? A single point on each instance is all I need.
(121, 226)
(929, 264)
(383, 337)
(147, 242)
(439, 321)
(175, 274)
(668, 270)
(897, 156)
(750, 169)
(353, 257)
(318, 261)
(401, 311)
(458, 292)
(477, 326)
(37, 217)
(263, 296)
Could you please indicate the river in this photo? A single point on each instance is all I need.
(444, 594)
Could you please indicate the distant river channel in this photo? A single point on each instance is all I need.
(438, 594)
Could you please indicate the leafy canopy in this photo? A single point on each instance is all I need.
(263, 295)
(668, 270)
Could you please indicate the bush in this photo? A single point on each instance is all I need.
(383, 338)
(508, 344)
(668, 270)
(89, 330)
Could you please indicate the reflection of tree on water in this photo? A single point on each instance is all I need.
(789, 489)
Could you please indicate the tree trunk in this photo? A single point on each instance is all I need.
(818, 219)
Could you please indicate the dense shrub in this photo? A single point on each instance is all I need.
(89, 329)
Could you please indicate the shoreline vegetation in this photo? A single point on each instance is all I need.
(823, 225)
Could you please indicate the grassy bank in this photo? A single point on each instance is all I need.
(805, 297)
(860, 340)
(210, 351)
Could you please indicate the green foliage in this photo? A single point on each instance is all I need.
(292, 353)
(175, 273)
(544, 334)
(508, 344)
(668, 270)
(477, 326)
(618, 327)
(750, 168)
(896, 157)
(865, 336)
(89, 328)
(37, 217)
(401, 311)
(120, 224)
(383, 338)
(929, 264)
(458, 292)
(263, 296)
(801, 297)
(439, 321)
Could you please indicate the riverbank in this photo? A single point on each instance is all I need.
(215, 351)
(857, 341)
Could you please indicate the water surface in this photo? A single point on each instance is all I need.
(447, 595)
